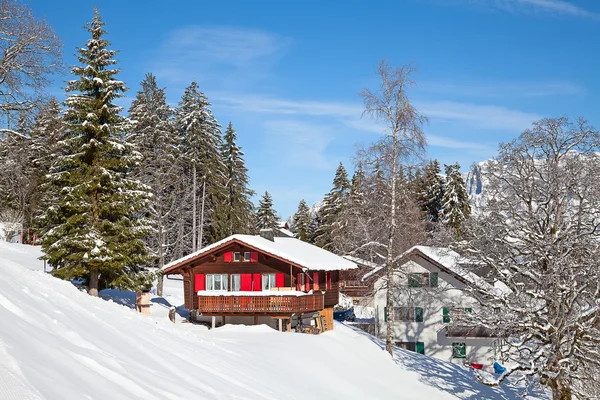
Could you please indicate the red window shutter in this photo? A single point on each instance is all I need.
(246, 282)
(279, 280)
(257, 283)
(307, 280)
(316, 280)
(228, 256)
(328, 280)
(253, 256)
(298, 282)
(199, 282)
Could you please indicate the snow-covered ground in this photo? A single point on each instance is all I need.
(57, 342)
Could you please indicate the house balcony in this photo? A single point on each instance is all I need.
(259, 303)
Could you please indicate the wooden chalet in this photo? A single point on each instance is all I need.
(358, 283)
(264, 279)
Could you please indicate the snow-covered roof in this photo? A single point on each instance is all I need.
(361, 261)
(294, 251)
(448, 259)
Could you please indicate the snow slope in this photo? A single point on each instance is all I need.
(57, 342)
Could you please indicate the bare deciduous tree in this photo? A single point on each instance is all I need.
(30, 52)
(539, 236)
(404, 141)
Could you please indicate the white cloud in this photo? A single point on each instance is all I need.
(198, 51)
(444, 142)
(503, 89)
(551, 7)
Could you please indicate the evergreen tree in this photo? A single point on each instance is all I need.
(234, 213)
(432, 192)
(302, 222)
(266, 217)
(96, 228)
(455, 201)
(200, 142)
(329, 214)
(155, 137)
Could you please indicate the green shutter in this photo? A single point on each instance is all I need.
(459, 350)
(414, 280)
(433, 279)
(445, 315)
(418, 314)
(420, 348)
(384, 314)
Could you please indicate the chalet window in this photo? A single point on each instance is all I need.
(456, 312)
(237, 257)
(268, 281)
(247, 256)
(409, 314)
(235, 282)
(217, 282)
(418, 347)
(424, 279)
(459, 350)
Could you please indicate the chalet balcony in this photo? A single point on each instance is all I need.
(259, 303)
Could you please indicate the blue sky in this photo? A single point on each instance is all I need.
(287, 74)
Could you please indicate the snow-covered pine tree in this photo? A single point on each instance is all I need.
(302, 221)
(266, 217)
(432, 191)
(333, 204)
(200, 142)
(455, 200)
(96, 228)
(155, 137)
(234, 213)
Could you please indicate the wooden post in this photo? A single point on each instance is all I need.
(256, 320)
(214, 322)
(280, 324)
(292, 285)
(289, 324)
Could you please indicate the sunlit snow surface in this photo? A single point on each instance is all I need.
(57, 342)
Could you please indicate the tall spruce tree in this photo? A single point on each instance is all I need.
(455, 201)
(155, 137)
(266, 217)
(329, 214)
(432, 192)
(96, 228)
(302, 222)
(200, 142)
(234, 213)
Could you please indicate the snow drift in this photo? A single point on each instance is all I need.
(57, 342)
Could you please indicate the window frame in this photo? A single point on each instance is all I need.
(266, 281)
(237, 256)
(210, 282)
(233, 278)
(247, 259)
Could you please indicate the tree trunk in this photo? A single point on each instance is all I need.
(194, 231)
(161, 261)
(93, 283)
(561, 390)
(389, 299)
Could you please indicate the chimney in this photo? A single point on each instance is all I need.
(267, 234)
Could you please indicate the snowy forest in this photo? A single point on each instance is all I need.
(114, 194)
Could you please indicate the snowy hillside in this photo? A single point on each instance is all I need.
(57, 342)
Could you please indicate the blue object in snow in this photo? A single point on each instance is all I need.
(345, 315)
(499, 369)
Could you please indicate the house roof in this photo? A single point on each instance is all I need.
(361, 261)
(444, 258)
(294, 251)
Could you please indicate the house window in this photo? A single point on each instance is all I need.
(410, 314)
(217, 282)
(418, 347)
(268, 281)
(423, 279)
(459, 350)
(235, 283)
(247, 256)
(449, 313)
(236, 257)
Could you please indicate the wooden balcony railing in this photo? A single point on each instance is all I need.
(261, 304)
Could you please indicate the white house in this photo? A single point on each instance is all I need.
(428, 295)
